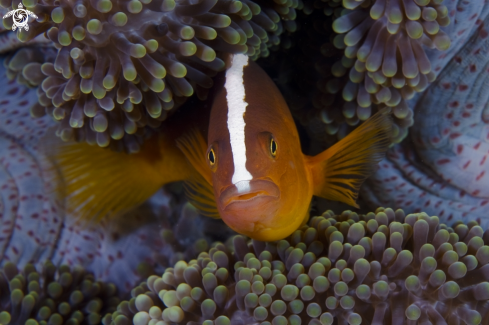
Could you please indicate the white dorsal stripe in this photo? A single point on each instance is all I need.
(235, 96)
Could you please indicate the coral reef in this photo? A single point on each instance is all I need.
(53, 296)
(344, 268)
(122, 66)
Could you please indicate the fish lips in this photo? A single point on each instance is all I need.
(247, 194)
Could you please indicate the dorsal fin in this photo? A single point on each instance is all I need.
(339, 171)
(198, 188)
(99, 183)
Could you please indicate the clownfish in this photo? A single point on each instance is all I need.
(242, 163)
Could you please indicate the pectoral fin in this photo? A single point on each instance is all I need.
(339, 171)
(198, 187)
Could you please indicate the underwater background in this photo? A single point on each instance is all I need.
(114, 73)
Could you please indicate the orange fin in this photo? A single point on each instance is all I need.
(338, 172)
(99, 183)
(198, 188)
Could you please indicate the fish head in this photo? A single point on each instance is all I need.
(259, 177)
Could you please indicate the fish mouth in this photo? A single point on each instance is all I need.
(244, 192)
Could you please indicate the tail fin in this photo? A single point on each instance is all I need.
(98, 183)
(339, 171)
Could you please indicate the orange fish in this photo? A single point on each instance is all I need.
(250, 171)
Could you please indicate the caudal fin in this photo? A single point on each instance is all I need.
(97, 183)
(339, 171)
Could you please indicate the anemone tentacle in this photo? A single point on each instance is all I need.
(383, 267)
(35, 229)
(415, 178)
(443, 168)
(122, 67)
(50, 294)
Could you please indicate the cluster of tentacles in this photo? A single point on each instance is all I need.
(443, 166)
(123, 66)
(361, 56)
(382, 268)
(117, 74)
(384, 55)
(53, 295)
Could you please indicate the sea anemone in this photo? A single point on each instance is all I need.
(387, 44)
(24, 65)
(34, 226)
(55, 295)
(122, 66)
(362, 56)
(443, 169)
(346, 268)
(384, 56)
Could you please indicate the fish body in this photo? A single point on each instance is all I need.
(242, 161)
(259, 192)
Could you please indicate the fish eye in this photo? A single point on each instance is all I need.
(211, 156)
(273, 147)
